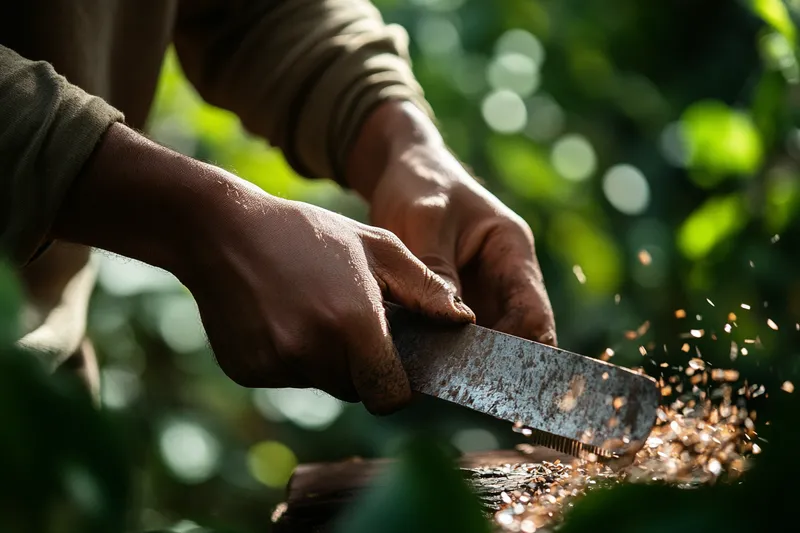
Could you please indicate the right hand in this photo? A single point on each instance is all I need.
(292, 295)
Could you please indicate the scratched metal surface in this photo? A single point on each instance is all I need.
(542, 387)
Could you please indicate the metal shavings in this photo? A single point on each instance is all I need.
(727, 328)
(775, 238)
(578, 271)
(710, 302)
(605, 376)
(645, 258)
(772, 324)
(697, 333)
(787, 386)
(695, 441)
(642, 350)
(680, 313)
(744, 351)
(745, 306)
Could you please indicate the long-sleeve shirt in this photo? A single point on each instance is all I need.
(303, 74)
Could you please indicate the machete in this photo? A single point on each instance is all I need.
(569, 402)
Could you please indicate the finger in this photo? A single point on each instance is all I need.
(375, 368)
(522, 323)
(526, 308)
(443, 267)
(406, 280)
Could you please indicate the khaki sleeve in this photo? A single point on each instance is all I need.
(305, 74)
(48, 129)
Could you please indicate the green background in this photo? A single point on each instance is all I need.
(621, 130)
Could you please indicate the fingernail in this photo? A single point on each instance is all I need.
(459, 304)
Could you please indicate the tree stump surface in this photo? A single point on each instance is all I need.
(318, 492)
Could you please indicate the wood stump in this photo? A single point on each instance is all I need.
(318, 492)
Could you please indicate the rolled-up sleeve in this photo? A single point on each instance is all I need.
(48, 129)
(304, 74)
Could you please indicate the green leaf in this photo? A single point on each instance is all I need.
(719, 142)
(526, 170)
(422, 492)
(583, 243)
(64, 465)
(782, 200)
(718, 219)
(774, 13)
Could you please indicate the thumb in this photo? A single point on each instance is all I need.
(444, 267)
(407, 281)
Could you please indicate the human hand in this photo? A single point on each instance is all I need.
(291, 295)
(459, 229)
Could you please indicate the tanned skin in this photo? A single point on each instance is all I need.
(291, 295)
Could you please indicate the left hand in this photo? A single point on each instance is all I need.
(467, 236)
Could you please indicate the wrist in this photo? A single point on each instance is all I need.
(393, 129)
(135, 198)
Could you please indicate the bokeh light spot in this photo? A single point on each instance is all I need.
(83, 488)
(545, 118)
(306, 408)
(190, 451)
(519, 41)
(468, 74)
(180, 325)
(672, 145)
(626, 188)
(514, 72)
(271, 463)
(436, 35)
(717, 219)
(573, 157)
(119, 387)
(504, 111)
(720, 141)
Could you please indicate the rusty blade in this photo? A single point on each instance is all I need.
(564, 394)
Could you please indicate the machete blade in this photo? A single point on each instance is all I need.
(572, 403)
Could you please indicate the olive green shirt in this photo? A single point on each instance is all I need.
(303, 74)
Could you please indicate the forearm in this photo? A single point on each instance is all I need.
(138, 199)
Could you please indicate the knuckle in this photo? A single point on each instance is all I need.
(389, 240)
(291, 345)
(342, 315)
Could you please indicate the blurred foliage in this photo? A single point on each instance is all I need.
(653, 148)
